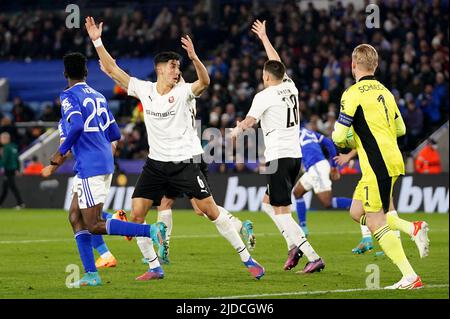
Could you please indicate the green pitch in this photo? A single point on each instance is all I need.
(37, 245)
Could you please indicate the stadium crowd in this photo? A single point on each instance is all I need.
(315, 45)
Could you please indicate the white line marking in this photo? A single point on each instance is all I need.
(31, 241)
(317, 292)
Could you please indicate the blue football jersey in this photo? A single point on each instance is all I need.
(311, 149)
(92, 151)
(62, 129)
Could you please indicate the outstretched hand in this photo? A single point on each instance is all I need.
(92, 29)
(48, 170)
(342, 159)
(188, 45)
(259, 28)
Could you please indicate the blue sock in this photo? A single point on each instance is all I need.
(341, 202)
(99, 244)
(118, 227)
(83, 239)
(301, 211)
(106, 215)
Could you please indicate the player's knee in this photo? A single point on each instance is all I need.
(74, 218)
(96, 228)
(298, 193)
(137, 218)
(355, 215)
(327, 204)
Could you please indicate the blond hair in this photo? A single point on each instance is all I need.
(365, 56)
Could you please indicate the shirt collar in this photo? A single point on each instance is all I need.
(367, 77)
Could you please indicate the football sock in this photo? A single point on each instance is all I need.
(99, 244)
(297, 235)
(83, 239)
(165, 216)
(268, 209)
(118, 227)
(234, 220)
(106, 215)
(396, 223)
(301, 211)
(106, 255)
(226, 229)
(146, 246)
(392, 246)
(365, 231)
(341, 202)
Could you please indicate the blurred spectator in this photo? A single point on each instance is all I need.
(21, 112)
(34, 167)
(428, 161)
(9, 163)
(413, 119)
(412, 43)
(48, 115)
(6, 125)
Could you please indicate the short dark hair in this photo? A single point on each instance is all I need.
(164, 57)
(75, 66)
(276, 68)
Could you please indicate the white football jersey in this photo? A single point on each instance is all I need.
(197, 148)
(277, 109)
(167, 119)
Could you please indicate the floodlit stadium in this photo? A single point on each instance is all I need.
(224, 150)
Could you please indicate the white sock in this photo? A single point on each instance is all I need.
(106, 255)
(397, 232)
(297, 235)
(234, 220)
(165, 216)
(365, 231)
(146, 247)
(226, 229)
(268, 209)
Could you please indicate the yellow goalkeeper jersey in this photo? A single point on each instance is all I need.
(370, 109)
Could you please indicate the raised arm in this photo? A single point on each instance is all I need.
(202, 74)
(109, 64)
(259, 28)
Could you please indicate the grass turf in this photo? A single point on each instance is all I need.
(37, 245)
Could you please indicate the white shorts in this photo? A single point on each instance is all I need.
(91, 191)
(317, 177)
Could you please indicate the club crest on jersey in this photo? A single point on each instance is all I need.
(171, 99)
(66, 105)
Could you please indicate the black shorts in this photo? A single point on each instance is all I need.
(171, 193)
(158, 178)
(281, 182)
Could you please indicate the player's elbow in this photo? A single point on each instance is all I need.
(77, 127)
(204, 83)
(401, 131)
(338, 139)
(114, 133)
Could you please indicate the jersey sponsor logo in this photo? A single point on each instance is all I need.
(66, 105)
(171, 99)
(159, 114)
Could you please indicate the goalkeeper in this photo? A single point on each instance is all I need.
(370, 122)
